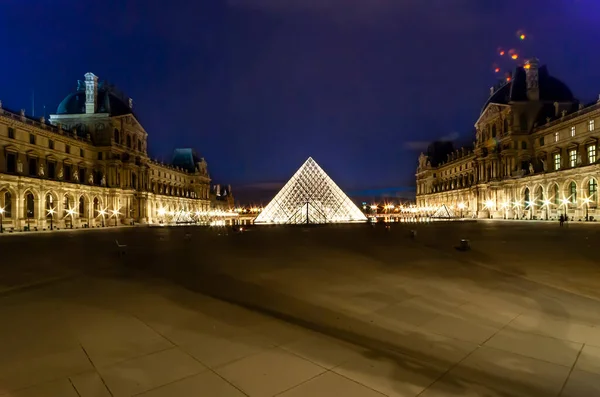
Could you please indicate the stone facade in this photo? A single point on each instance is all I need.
(535, 155)
(88, 165)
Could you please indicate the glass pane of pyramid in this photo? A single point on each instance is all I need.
(310, 196)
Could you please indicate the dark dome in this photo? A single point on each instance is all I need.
(551, 89)
(108, 102)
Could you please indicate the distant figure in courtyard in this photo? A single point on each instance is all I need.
(561, 220)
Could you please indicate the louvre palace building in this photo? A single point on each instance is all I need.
(535, 155)
(88, 166)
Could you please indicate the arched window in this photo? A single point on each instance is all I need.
(7, 205)
(96, 207)
(117, 136)
(527, 198)
(556, 195)
(129, 141)
(29, 205)
(593, 191)
(82, 207)
(573, 193)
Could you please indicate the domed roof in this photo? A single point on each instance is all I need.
(551, 89)
(109, 101)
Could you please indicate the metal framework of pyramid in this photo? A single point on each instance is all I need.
(310, 196)
(444, 213)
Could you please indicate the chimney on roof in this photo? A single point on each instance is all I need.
(533, 79)
(91, 93)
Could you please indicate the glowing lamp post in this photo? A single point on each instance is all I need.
(565, 203)
(71, 212)
(489, 204)
(115, 213)
(587, 202)
(51, 213)
(546, 205)
(461, 207)
(103, 214)
(1, 215)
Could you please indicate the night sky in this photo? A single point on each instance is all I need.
(257, 86)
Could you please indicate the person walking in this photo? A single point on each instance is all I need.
(561, 219)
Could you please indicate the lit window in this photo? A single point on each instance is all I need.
(556, 196)
(542, 141)
(573, 131)
(573, 193)
(591, 125)
(556, 136)
(557, 161)
(591, 152)
(573, 157)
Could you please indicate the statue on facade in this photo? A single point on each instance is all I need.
(76, 176)
(544, 165)
(531, 170)
(579, 160)
(41, 170)
(103, 180)
(19, 166)
(60, 173)
(91, 179)
(422, 161)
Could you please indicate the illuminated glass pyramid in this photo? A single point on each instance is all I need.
(444, 212)
(310, 196)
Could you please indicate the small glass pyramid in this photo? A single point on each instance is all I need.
(444, 213)
(310, 196)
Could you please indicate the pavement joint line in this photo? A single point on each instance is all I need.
(95, 369)
(181, 348)
(571, 371)
(74, 388)
(304, 381)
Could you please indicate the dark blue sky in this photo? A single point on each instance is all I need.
(257, 86)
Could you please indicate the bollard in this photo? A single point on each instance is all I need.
(465, 245)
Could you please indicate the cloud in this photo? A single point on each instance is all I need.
(422, 145)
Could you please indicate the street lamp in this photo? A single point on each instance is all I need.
(70, 212)
(587, 202)
(489, 204)
(115, 213)
(565, 202)
(51, 213)
(103, 213)
(461, 207)
(1, 214)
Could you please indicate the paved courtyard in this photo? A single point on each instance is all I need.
(348, 311)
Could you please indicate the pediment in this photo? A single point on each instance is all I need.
(492, 111)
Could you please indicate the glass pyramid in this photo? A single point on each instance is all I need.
(310, 196)
(444, 212)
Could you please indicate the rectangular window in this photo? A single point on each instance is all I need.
(557, 161)
(51, 144)
(99, 155)
(67, 172)
(556, 136)
(573, 131)
(51, 170)
(591, 125)
(32, 166)
(80, 152)
(11, 162)
(542, 141)
(67, 149)
(32, 139)
(591, 152)
(573, 157)
(81, 175)
(11, 133)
